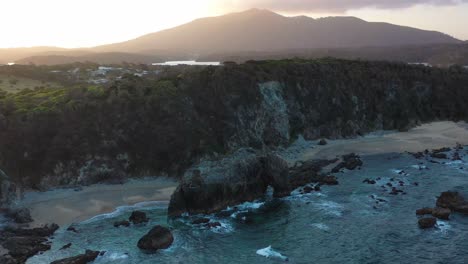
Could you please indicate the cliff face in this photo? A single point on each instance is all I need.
(138, 126)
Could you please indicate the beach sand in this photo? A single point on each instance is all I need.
(67, 206)
(428, 136)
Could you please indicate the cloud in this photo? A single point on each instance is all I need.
(337, 6)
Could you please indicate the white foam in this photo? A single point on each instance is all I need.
(246, 207)
(419, 167)
(268, 252)
(443, 226)
(112, 257)
(321, 226)
(330, 207)
(127, 208)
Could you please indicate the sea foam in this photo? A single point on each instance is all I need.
(268, 252)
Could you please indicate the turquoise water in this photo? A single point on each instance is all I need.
(340, 224)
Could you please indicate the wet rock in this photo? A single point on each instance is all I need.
(441, 150)
(87, 257)
(441, 213)
(138, 217)
(424, 211)
(243, 176)
(395, 191)
(72, 229)
(329, 180)
(451, 200)
(308, 189)
(307, 172)
(322, 142)
(23, 247)
(124, 223)
(157, 238)
(200, 221)
(67, 246)
(456, 156)
(350, 162)
(418, 155)
(439, 155)
(218, 224)
(369, 181)
(428, 222)
(20, 215)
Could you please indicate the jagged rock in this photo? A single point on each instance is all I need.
(138, 217)
(307, 172)
(7, 259)
(456, 156)
(20, 215)
(243, 176)
(329, 180)
(428, 222)
(322, 142)
(439, 155)
(200, 221)
(24, 247)
(122, 223)
(218, 224)
(369, 181)
(441, 150)
(67, 246)
(451, 200)
(308, 189)
(157, 238)
(85, 258)
(424, 211)
(350, 162)
(72, 229)
(441, 213)
(7, 190)
(417, 155)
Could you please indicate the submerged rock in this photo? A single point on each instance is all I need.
(85, 258)
(138, 217)
(157, 238)
(428, 222)
(424, 211)
(122, 223)
(329, 180)
(200, 221)
(243, 176)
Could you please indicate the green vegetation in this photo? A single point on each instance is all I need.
(165, 124)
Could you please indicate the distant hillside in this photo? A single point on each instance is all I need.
(263, 35)
(262, 30)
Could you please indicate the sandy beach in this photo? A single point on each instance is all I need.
(427, 136)
(67, 206)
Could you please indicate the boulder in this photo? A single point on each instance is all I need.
(424, 211)
(211, 186)
(451, 200)
(329, 180)
(213, 225)
(350, 162)
(428, 222)
(307, 172)
(157, 238)
(138, 217)
(67, 246)
(322, 142)
(441, 213)
(87, 257)
(439, 155)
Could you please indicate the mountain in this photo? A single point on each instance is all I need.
(252, 32)
(263, 30)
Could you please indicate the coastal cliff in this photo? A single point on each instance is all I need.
(138, 126)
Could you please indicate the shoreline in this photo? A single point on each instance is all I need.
(67, 206)
(426, 136)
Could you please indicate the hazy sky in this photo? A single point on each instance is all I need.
(78, 23)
